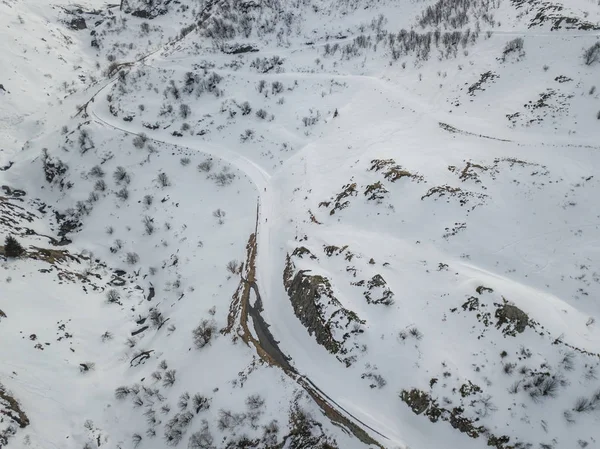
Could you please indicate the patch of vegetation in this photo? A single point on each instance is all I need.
(12, 247)
(392, 171)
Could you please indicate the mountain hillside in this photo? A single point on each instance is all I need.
(308, 224)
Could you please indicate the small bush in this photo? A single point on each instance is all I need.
(201, 439)
(140, 140)
(514, 388)
(184, 401)
(592, 54)
(12, 247)
(201, 403)
(113, 296)
(415, 333)
(132, 258)
(86, 367)
(163, 179)
(123, 194)
(97, 172)
(136, 439)
(219, 214)
(228, 420)
(169, 378)
(185, 161)
(583, 405)
(100, 185)
(514, 46)
(261, 114)
(568, 361)
(261, 86)
(205, 166)
(148, 225)
(247, 135)
(508, 368)
(224, 178)
(148, 200)
(234, 267)
(276, 87)
(255, 402)
(245, 108)
(121, 176)
(122, 392)
(203, 334)
(184, 111)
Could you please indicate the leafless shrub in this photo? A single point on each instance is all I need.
(169, 378)
(122, 392)
(184, 111)
(132, 258)
(100, 185)
(148, 200)
(93, 197)
(184, 400)
(568, 417)
(234, 267)
(255, 402)
(136, 439)
(245, 108)
(106, 336)
(415, 333)
(261, 114)
(592, 54)
(148, 225)
(204, 332)
(121, 176)
(201, 439)
(229, 420)
(173, 436)
(261, 86)
(86, 367)
(185, 161)
(513, 46)
(508, 368)
(201, 403)
(163, 179)
(219, 214)
(113, 296)
(223, 178)
(514, 388)
(568, 361)
(276, 87)
(583, 405)
(247, 135)
(205, 166)
(156, 318)
(97, 172)
(140, 140)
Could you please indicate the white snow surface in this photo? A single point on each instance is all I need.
(467, 180)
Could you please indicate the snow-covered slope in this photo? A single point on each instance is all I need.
(300, 224)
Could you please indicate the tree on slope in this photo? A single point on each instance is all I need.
(12, 248)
